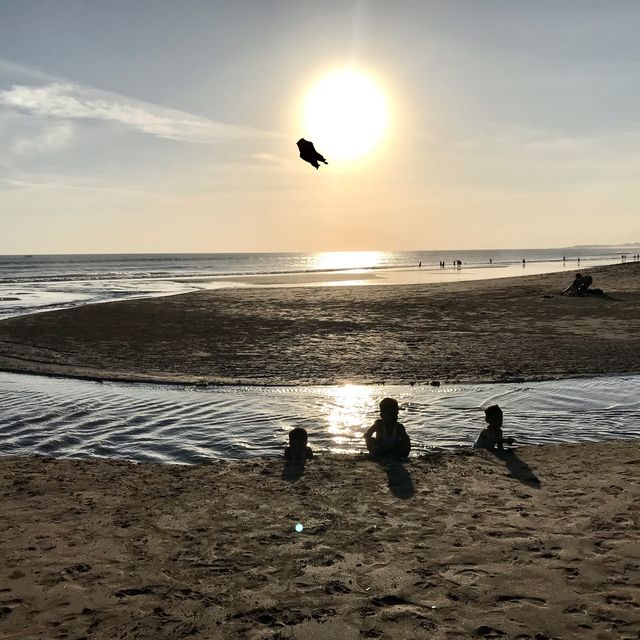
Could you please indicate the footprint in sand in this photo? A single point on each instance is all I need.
(272, 616)
(397, 601)
(322, 615)
(335, 586)
(489, 632)
(576, 608)
(76, 569)
(389, 601)
(541, 602)
(142, 591)
(467, 576)
(15, 575)
(571, 573)
(620, 599)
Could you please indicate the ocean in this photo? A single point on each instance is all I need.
(45, 282)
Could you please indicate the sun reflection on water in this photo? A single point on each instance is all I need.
(339, 260)
(349, 406)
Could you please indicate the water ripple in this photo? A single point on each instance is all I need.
(170, 424)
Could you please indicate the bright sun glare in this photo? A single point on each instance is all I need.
(345, 115)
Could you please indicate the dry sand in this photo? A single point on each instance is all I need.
(544, 543)
(487, 330)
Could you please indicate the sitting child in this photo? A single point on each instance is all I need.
(297, 451)
(491, 437)
(387, 436)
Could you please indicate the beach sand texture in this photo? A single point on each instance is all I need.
(486, 330)
(544, 543)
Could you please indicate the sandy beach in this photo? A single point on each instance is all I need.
(490, 330)
(539, 543)
(542, 543)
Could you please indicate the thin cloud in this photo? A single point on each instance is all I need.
(67, 101)
(55, 137)
(272, 160)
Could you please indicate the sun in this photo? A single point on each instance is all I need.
(345, 115)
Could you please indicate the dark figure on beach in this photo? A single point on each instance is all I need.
(298, 451)
(420, 264)
(491, 437)
(580, 285)
(386, 436)
(309, 154)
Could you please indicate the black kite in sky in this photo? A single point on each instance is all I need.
(309, 154)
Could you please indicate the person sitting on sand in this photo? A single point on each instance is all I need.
(387, 437)
(579, 285)
(298, 451)
(491, 437)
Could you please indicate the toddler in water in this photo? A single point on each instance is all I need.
(491, 437)
(387, 436)
(297, 451)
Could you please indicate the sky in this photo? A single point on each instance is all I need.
(157, 126)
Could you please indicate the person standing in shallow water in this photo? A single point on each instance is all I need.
(386, 436)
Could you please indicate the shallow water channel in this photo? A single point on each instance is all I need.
(173, 424)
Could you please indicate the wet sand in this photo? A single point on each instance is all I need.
(491, 330)
(542, 543)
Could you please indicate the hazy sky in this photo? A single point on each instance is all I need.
(135, 125)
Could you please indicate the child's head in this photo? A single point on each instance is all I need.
(298, 437)
(389, 410)
(493, 416)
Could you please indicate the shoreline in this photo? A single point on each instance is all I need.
(499, 330)
(200, 383)
(387, 276)
(541, 543)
